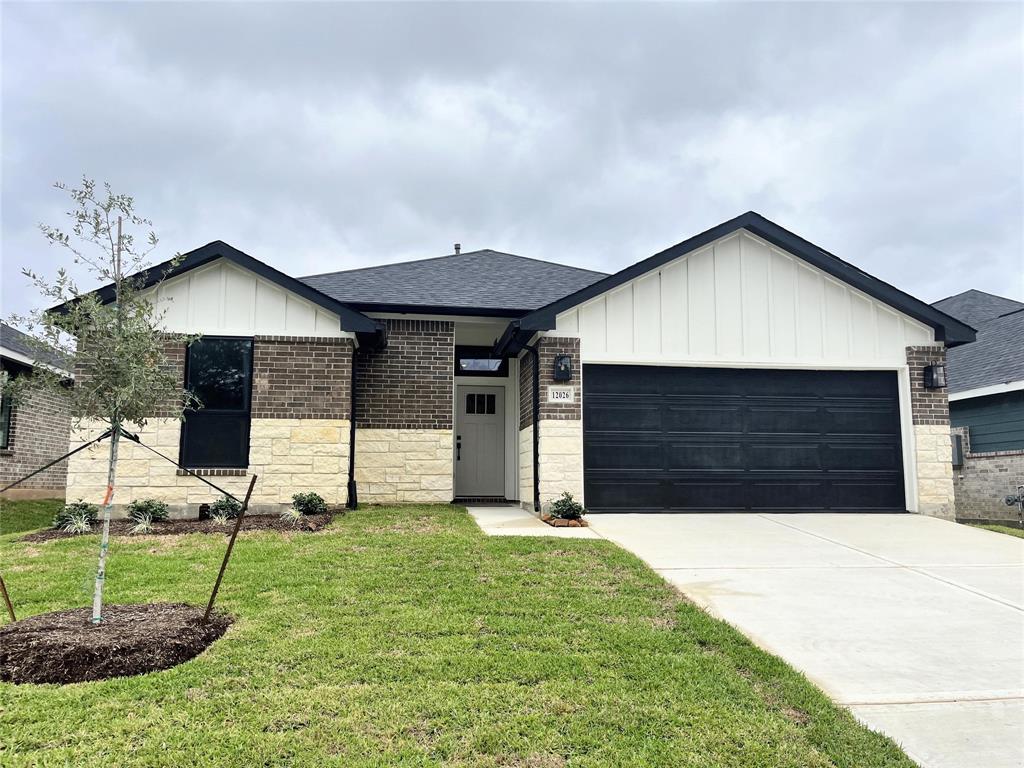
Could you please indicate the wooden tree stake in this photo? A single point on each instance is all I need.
(231, 545)
(7, 599)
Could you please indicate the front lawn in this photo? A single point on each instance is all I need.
(27, 515)
(1009, 530)
(406, 637)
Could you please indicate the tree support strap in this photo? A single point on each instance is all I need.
(82, 447)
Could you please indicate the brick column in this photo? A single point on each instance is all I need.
(561, 423)
(932, 444)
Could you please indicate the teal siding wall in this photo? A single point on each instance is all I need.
(996, 422)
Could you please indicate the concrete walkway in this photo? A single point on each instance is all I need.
(915, 624)
(512, 520)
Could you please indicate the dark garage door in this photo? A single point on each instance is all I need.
(722, 439)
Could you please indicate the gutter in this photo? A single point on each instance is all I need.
(353, 495)
(536, 426)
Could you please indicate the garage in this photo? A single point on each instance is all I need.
(687, 439)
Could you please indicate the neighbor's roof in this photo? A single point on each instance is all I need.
(20, 344)
(498, 283)
(975, 307)
(997, 356)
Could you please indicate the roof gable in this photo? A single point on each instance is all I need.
(477, 282)
(351, 320)
(946, 328)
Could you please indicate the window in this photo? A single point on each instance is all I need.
(218, 371)
(5, 421)
(479, 404)
(477, 361)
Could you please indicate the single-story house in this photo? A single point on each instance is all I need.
(742, 369)
(986, 405)
(35, 431)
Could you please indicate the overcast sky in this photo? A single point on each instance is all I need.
(329, 136)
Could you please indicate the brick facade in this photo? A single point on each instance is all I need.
(300, 377)
(929, 406)
(39, 431)
(984, 481)
(410, 383)
(525, 390)
(547, 349)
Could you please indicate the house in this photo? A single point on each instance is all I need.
(986, 405)
(34, 431)
(742, 369)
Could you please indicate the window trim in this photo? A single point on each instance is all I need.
(247, 412)
(473, 352)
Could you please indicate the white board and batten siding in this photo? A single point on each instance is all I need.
(741, 301)
(222, 298)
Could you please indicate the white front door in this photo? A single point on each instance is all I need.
(480, 441)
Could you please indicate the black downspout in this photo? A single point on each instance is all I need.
(353, 496)
(536, 427)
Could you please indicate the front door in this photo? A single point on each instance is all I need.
(480, 442)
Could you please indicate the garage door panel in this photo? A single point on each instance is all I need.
(705, 439)
(684, 456)
(702, 417)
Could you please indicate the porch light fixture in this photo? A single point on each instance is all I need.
(935, 376)
(563, 368)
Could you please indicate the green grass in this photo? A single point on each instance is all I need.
(406, 637)
(25, 515)
(1010, 531)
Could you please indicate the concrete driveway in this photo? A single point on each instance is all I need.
(915, 624)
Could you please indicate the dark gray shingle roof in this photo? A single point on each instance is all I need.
(483, 279)
(14, 340)
(975, 307)
(997, 356)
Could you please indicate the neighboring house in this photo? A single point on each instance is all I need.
(34, 431)
(742, 369)
(986, 404)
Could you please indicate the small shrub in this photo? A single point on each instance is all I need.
(309, 503)
(219, 518)
(151, 509)
(143, 523)
(77, 517)
(566, 507)
(225, 507)
(291, 515)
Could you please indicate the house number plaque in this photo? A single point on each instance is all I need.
(561, 394)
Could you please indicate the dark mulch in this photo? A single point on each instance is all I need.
(309, 523)
(66, 647)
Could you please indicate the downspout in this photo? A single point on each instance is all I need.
(353, 496)
(536, 426)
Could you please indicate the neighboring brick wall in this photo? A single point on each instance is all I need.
(301, 377)
(548, 348)
(984, 481)
(410, 383)
(929, 406)
(40, 426)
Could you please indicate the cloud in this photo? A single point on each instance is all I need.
(328, 136)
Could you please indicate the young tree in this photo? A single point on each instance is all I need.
(116, 348)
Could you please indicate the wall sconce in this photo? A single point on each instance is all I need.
(935, 376)
(563, 368)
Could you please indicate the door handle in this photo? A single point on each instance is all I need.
(458, 448)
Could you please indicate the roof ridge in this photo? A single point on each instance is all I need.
(453, 256)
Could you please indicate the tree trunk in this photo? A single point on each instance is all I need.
(108, 503)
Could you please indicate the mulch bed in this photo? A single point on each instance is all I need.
(66, 647)
(308, 523)
(561, 522)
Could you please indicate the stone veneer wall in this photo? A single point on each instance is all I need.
(984, 481)
(404, 429)
(38, 434)
(932, 445)
(298, 436)
(526, 467)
